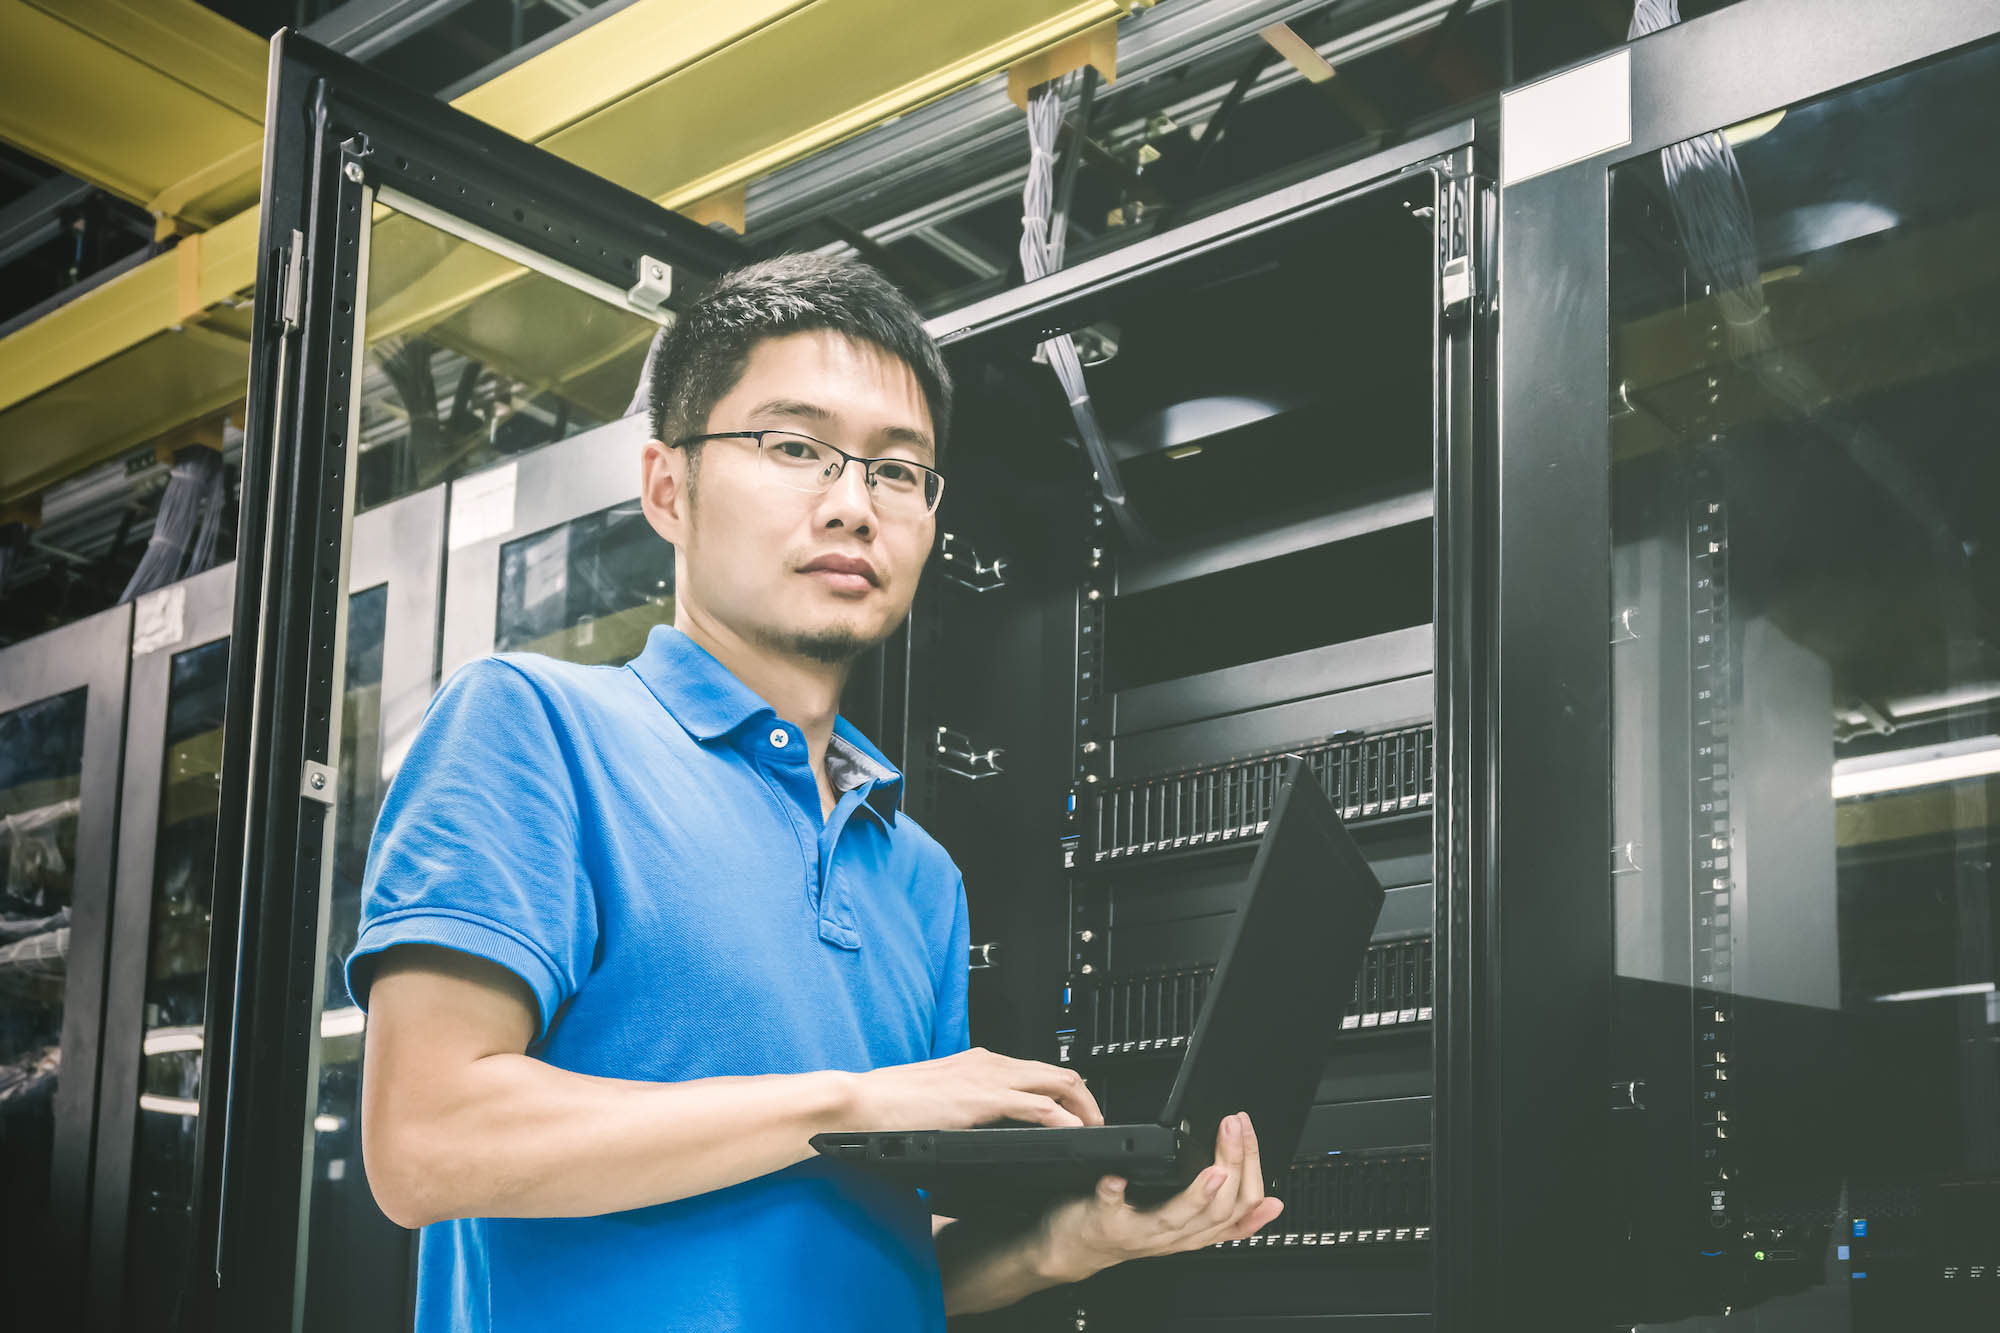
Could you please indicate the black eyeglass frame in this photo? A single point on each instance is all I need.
(868, 465)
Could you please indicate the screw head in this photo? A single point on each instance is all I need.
(319, 782)
(352, 171)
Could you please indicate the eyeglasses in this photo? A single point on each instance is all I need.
(802, 463)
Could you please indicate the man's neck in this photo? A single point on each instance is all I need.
(802, 691)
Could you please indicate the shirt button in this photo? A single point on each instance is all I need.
(780, 738)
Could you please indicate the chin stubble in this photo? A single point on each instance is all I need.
(835, 647)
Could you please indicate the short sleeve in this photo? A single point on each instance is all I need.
(951, 1031)
(478, 847)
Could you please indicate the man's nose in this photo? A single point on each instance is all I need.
(848, 500)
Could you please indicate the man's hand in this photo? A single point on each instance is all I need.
(1225, 1202)
(972, 1088)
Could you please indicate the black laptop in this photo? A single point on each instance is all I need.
(1260, 1044)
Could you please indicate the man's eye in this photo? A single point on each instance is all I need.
(793, 447)
(896, 474)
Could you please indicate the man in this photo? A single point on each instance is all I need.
(633, 935)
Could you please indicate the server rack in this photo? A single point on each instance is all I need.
(1737, 543)
(147, 1115)
(62, 721)
(159, 952)
(565, 563)
(1103, 700)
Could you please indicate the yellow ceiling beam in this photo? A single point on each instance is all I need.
(143, 98)
(679, 100)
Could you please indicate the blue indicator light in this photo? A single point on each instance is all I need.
(1840, 1252)
(1066, 993)
(1859, 1276)
(1860, 1226)
(1333, 1152)
(1711, 1254)
(1072, 802)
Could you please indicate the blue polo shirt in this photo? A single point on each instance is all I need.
(643, 846)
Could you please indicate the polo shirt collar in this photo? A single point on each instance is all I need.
(710, 703)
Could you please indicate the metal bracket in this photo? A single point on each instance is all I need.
(956, 756)
(655, 285)
(1624, 628)
(963, 566)
(1455, 286)
(985, 956)
(319, 782)
(1625, 859)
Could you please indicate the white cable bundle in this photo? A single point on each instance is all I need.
(1041, 255)
(189, 522)
(1711, 206)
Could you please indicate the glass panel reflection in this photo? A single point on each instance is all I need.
(1806, 721)
(589, 590)
(41, 778)
(472, 358)
(348, 1235)
(159, 1249)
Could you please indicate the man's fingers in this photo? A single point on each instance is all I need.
(1221, 1208)
(1251, 1192)
(1180, 1212)
(1064, 1085)
(1040, 1110)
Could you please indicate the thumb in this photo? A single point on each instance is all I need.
(1111, 1189)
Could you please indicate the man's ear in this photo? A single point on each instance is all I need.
(663, 489)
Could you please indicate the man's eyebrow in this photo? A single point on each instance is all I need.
(799, 409)
(911, 436)
(793, 407)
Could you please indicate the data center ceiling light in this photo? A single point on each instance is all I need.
(1937, 992)
(1921, 766)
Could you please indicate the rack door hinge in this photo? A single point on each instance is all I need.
(292, 284)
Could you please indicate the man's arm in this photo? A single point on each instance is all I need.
(459, 1122)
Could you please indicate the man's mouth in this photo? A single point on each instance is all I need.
(843, 573)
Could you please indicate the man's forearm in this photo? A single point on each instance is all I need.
(513, 1136)
(987, 1267)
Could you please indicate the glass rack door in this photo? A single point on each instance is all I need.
(1806, 707)
(390, 672)
(62, 704)
(436, 303)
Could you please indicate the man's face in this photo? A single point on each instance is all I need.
(745, 542)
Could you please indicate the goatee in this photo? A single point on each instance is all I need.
(835, 647)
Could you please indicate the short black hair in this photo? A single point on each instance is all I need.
(700, 359)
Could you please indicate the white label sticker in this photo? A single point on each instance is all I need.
(546, 575)
(482, 506)
(159, 619)
(1566, 118)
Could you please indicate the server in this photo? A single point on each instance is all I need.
(1264, 588)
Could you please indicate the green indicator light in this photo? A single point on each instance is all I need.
(1760, 1254)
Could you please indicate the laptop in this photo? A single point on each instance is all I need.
(1260, 1044)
